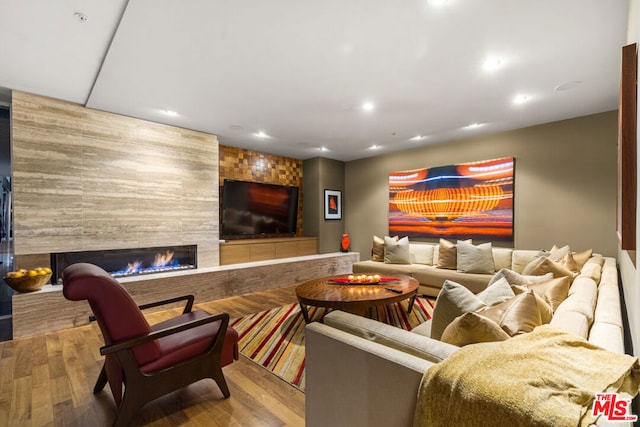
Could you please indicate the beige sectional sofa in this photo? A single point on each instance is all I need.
(360, 372)
(424, 267)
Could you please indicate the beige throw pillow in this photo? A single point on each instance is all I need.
(397, 251)
(544, 265)
(516, 316)
(447, 255)
(568, 262)
(582, 257)
(557, 254)
(454, 300)
(471, 328)
(553, 291)
(474, 258)
(377, 250)
(546, 312)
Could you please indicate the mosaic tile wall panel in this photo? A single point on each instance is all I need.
(248, 165)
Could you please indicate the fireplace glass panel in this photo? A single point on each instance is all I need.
(129, 262)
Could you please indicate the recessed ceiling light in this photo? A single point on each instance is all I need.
(473, 126)
(324, 149)
(438, 3)
(492, 64)
(170, 113)
(261, 134)
(368, 106)
(520, 99)
(568, 85)
(417, 138)
(375, 147)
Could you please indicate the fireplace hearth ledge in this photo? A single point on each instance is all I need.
(47, 310)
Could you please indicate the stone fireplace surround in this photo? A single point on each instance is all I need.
(47, 310)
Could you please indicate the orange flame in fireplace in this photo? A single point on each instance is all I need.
(132, 267)
(162, 260)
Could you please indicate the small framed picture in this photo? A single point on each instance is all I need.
(332, 204)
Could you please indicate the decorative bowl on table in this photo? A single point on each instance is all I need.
(28, 280)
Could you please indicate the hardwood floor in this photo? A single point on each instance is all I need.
(48, 380)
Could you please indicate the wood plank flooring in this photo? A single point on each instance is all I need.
(47, 380)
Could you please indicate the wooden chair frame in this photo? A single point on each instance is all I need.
(141, 388)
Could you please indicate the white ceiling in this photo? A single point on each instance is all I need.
(300, 70)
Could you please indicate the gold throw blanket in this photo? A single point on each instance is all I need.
(544, 378)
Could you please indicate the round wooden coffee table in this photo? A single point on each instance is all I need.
(355, 298)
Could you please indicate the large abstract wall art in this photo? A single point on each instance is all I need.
(468, 200)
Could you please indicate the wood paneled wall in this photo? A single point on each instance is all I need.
(85, 180)
(247, 165)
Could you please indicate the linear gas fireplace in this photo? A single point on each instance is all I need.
(129, 262)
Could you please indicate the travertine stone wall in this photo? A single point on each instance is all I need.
(85, 180)
(248, 165)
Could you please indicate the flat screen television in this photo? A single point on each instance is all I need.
(253, 209)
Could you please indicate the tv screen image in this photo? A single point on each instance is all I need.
(253, 209)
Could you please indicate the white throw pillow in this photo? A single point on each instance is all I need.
(396, 252)
(474, 259)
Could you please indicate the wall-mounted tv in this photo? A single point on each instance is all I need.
(253, 209)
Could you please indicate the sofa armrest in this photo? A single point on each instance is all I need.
(390, 336)
(353, 382)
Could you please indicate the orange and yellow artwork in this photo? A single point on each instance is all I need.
(467, 200)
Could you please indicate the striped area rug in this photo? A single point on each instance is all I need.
(274, 338)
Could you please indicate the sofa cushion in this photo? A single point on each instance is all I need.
(582, 299)
(414, 344)
(517, 315)
(472, 258)
(471, 328)
(386, 269)
(421, 254)
(377, 250)
(591, 270)
(435, 277)
(572, 322)
(396, 251)
(455, 299)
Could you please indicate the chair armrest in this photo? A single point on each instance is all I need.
(187, 308)
(130, 343)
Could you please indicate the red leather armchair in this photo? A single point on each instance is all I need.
(150, 361)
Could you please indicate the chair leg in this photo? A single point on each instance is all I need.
(127, 410)
(218, 377)
(101, 382)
